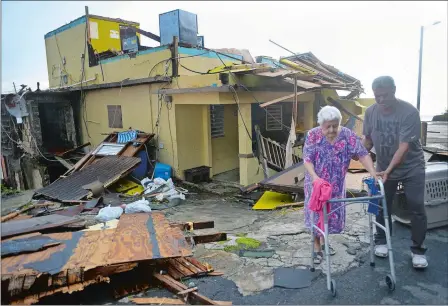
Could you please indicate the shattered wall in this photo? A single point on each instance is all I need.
(26, 147)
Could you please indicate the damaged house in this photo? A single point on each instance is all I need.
(208, 109)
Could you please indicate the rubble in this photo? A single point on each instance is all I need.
(75, 233)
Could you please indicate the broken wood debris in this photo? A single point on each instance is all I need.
(157, 301)
(78, 259)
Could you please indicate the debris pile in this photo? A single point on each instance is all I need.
(98, 223)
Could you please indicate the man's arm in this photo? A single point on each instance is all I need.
(409, 132)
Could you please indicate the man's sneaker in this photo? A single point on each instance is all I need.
(419, 261)
(381, 250)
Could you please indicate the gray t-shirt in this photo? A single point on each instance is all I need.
(388, 130)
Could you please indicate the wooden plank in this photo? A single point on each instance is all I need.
(224, 303)
(215, 273)
(280, 99)
(157, 301)
(74, 149)
(289, 205)
(198, 239)
(180, 268)
(189, 226)
(142, 139)
(65, 163)
(34, 225)
(175, 287)
(186, 291)
(194, 270)
(146, 236)
(197, 263)
(33, 299)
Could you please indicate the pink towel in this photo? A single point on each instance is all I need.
(320, 195)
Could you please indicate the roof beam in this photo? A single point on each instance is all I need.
(281, 99)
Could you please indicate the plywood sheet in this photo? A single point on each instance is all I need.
(146, 236)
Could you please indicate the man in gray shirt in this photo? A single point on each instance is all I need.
(392, 127)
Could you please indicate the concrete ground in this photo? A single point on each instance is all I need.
(250, 281)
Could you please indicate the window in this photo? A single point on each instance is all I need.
(274, 117)
(115, 117)
(217, 120)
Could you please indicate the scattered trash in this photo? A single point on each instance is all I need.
(138, 206)
(109, 213)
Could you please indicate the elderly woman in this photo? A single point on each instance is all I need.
(327, 153)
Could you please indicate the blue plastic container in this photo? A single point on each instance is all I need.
(373, 207)
(162, 171)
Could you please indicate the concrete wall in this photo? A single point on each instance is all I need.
(191, 140)
(225, 149)
(68, 45)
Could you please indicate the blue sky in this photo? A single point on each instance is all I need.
(363, 38)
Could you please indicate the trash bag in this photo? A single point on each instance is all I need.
(109, 213)
(138, 206)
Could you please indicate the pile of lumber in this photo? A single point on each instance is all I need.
(40, 257)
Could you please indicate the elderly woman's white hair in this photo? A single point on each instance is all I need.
(328, 113)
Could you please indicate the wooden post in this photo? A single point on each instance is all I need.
(175, 55)
(424, 133)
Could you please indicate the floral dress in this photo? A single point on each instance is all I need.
(331, 162)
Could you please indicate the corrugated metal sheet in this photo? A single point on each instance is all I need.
(107, 170)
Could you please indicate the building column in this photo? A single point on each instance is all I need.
(308, 115)
(250, 170)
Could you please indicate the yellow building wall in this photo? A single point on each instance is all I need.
(103, 40)
(68, 44)
(137, 113)
(225, 149)
(135, 108)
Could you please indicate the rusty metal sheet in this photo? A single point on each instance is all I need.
(13, 228)
(107, 170)
(145, 236)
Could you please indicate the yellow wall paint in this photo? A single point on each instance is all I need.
(68, 44)
(137, 112)
(225, 149)
(135, 107)
(105, 40)
(190, 141)
(71, 46)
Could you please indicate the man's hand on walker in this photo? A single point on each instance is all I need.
(383, 175)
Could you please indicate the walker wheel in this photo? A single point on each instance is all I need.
(390, 283)
(333, 288)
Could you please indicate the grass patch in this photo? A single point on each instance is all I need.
(8, 191)
(241, 235)
(243, 243)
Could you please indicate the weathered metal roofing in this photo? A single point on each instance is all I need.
(107, 170)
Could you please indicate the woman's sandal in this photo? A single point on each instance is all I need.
(332, 250)
(318, 256)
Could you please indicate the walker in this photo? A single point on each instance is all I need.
(390, 278)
